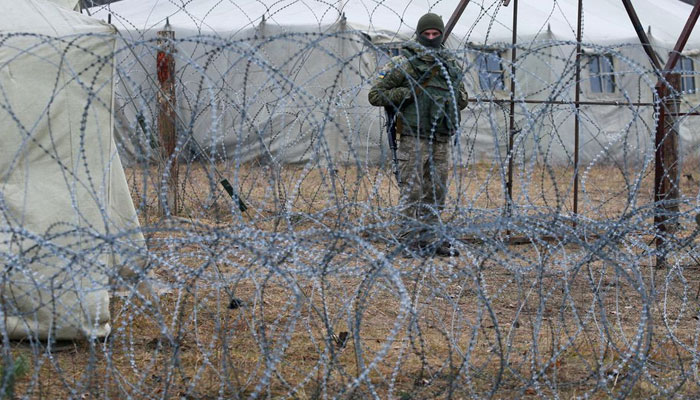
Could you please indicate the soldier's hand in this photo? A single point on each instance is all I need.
(401, 95)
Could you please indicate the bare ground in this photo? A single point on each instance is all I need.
(546, 318)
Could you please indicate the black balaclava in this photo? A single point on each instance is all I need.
(430, 21)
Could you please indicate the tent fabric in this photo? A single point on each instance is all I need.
(63, 192)
(481, 20)
(281, 126)
(68, 4)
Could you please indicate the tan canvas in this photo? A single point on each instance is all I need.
(63, 193)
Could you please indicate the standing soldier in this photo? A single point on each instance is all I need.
(423, 88)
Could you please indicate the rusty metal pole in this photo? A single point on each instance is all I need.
(646, 44)
(666, 170)
(511, 114)
(167, 122)
(683, 39)
(666, 193)
(577, 104)
(455, 17)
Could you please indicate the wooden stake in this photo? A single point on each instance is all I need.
(167, 120)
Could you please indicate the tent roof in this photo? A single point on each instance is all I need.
(68, 4)
(47, 18)
(483, 20)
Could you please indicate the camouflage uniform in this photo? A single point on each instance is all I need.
(427, 94)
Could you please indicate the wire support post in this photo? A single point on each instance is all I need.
(167, 122)
(456, 14)
(666, 171)
(511, 114)
(577, 105)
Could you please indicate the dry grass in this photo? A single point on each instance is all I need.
(520, 314)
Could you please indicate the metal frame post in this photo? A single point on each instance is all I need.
(455, 17)
(577, 99)
(666, 169)
(511, 113)
(646, 44)
(683, 39)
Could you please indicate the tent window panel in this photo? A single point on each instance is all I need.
(490, 71)
(688, 84)
(686, 68)
(602, 74)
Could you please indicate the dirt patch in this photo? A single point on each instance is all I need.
(330, 307)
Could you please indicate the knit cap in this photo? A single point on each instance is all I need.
(430, 21)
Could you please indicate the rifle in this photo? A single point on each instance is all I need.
(391, 136)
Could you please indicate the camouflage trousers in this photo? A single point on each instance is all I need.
(423, 171)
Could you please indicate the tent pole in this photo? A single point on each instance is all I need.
(577, 99)
(511, 114)
(167, 126)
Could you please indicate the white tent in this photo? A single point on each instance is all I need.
(274, 93)
(68, 4)
(67, 220)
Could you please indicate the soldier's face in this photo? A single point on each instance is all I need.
(431, 33)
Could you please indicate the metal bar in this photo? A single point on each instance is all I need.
(519, 240)
(561, 102)
(577, 104)
(454, 18)
(646, 44)
(511, 118)
(666, 140)
(683, 39)
(666, 170)
(684, 114)
(658, 174)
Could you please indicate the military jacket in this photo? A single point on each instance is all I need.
(427, 92)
